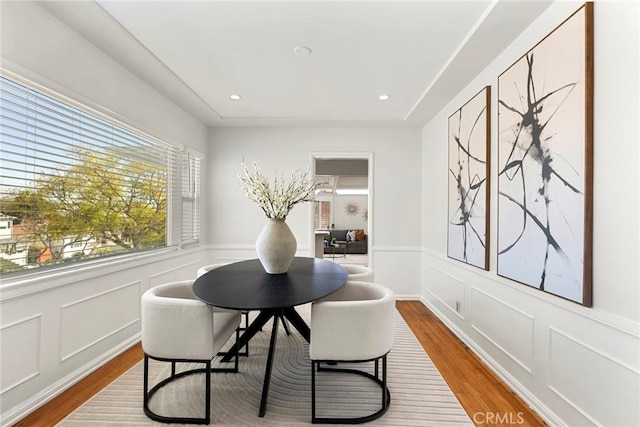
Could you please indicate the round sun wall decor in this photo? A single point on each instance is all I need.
(352, 209)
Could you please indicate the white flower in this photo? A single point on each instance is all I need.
(277, 199)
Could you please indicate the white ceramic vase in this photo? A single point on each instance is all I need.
(276, 246)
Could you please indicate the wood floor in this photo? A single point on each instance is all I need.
(486, 399)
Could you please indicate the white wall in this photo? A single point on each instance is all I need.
(55, 330)
(575, 365)
(235, 221)
(345, 221)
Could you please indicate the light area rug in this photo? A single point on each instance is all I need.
(419, 395)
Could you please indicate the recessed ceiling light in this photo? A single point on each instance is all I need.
(235, 97)
(302, 50)
(384, 97)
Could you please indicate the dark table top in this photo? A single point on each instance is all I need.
(246, 286)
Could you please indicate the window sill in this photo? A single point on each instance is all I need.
(37, 282)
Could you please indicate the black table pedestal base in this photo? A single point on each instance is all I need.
(296, 321)
(245, 286)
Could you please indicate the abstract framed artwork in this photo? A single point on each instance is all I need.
(545, 162)
(468, 197)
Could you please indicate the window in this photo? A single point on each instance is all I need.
(78, 185)
(190, 197)
(322, 214)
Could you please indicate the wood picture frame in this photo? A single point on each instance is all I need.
(468, 183)
(545, 163)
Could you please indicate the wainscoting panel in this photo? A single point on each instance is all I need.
(446, 287)
(54, 336)
(398, 268)
(576, 369)
(107, 312)
(177, 273)
(509, 329)
(553, 353)
(226, 254)
(19, 367)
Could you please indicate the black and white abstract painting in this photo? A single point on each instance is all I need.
(468, 196)
(545, 118)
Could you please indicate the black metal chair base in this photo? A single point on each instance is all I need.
(244, 353)
(382, 382)
(207, 370)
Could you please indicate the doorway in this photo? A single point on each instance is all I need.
(342, 218)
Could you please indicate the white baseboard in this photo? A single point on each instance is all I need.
(533, 402)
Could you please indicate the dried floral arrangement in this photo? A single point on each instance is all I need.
(277, 198)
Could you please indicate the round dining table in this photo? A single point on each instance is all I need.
(245, 286)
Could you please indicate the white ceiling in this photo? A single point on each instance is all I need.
(341, 174)
(198, 53)
(332, 184)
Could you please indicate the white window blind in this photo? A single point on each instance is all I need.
(77, 185)
(190, 197)
(322, 214)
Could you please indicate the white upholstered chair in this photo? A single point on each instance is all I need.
(359, 273)
(177, 327)
(353, 324)
(208, 268)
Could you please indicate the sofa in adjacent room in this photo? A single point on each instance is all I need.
(357, 246)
